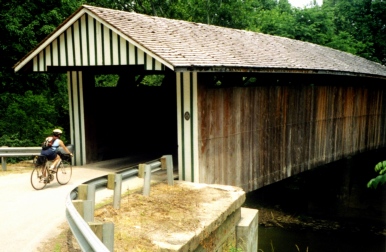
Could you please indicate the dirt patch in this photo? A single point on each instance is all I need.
(21, 167)
(168, 209)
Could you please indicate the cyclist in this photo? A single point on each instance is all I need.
(51, 151)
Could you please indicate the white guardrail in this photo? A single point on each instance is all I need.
(80, 201)
(6, 151)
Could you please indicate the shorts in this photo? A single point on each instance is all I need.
(49, 153)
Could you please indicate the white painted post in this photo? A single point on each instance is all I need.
(108, 235)
(117, 191)
(146, 182)
(4, 163)
(91, 189)
(168, 159)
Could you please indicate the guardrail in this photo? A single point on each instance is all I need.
(83, 227)
(6, 151)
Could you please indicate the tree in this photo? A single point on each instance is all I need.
(30, 104)
(365, 21)
(355, 26)
(381, 178)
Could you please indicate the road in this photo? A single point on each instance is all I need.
(28, 216)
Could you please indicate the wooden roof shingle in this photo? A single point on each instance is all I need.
(183, 45)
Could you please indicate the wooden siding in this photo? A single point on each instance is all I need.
(87, 42)
(251, 137)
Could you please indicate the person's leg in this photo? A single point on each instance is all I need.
(55, 162)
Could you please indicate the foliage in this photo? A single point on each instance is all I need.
(26, 115)
(381, 179)
(32, 104)
(152, 80)
(109, 80)
(14, 140)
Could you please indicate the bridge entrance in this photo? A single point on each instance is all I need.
(125, 116)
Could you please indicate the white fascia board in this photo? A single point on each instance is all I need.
(73, 20)
(168, 64)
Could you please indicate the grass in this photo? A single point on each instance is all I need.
(18, 168)
(168, 209)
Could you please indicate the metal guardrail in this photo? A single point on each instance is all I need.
(17, 152)
(85, 237)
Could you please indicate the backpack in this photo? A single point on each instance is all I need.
(48, 142)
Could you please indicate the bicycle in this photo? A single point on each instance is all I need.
(41, 174)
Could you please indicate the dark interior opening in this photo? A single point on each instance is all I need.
(136, 116)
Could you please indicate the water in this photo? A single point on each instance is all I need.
(353, 217)
(283, 240)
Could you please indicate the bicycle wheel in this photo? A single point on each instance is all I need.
(63, 175)
(38, 177)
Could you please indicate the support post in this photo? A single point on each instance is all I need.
(117, 191)
(91, 189)
(141, 170)
(167, 163)
(146, 182)
(108, 235)
(4, 163)
(105, 233)
(97, 228)
(111, 181)
(247, 230)
(82, 192)
(85, 209)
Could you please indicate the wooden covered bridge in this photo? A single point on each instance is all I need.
(239, 108)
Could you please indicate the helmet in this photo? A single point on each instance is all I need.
(56, 132)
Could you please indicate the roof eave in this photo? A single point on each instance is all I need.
(241, 69)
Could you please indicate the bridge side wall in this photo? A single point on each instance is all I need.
(253, 136)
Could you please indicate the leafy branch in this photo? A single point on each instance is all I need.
(381, 178)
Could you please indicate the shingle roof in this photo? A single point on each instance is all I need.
(195, 46)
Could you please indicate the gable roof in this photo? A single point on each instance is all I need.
(186, 46)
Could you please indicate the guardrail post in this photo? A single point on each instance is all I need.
(105, 233)
(117, 191)
(108, 235)
(4, 163)
(91, 189)
(114, 182)
(141, 170)
(111, 181)
(82, 192)
(85, 209)
(167, 163)
(146, 182)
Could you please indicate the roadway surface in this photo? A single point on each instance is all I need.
(29, 217)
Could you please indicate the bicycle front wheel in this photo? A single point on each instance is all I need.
(39, 178)
(64, 173)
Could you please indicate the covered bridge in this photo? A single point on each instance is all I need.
(239, 107)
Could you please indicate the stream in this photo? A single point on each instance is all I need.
(326, 209)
